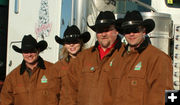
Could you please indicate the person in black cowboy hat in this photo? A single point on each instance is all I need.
(32, 81)
(89, 73)
(73, 42)
(147, 71)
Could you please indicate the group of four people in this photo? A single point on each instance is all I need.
(108, 73)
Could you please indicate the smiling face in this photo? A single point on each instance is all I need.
(107, 36)
(73, 49)
(135, 38)
(31, 57)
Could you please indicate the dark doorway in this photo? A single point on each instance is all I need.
(3, 37)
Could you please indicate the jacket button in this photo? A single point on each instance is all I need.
(134, 82)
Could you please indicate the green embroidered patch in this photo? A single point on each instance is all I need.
(44, 79)
(110, 64)
(138, 66)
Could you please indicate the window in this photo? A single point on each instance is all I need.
(125, 5)
(173, 3)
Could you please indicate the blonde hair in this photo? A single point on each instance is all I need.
(64, 54)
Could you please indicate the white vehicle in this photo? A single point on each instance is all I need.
(41, 18)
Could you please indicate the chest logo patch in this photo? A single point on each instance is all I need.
(138, 66)
(110, 64)
(43, 79)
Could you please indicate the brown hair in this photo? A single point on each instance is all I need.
(64, 54)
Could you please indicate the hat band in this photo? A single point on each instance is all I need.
(105, 21)
(127, 23)
(72, 36)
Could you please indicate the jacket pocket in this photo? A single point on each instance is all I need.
(89, 77)
(89, 72)
(19, 91)
(42, 96)
(20, 96)
(135, 89)
(47, 96)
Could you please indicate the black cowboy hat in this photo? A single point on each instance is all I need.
(103, 20)
(29, 44)
(72, 35)
(134, 19)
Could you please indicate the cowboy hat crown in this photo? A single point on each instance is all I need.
(134, 19)
(29, 43)
(104, 19)
(72, 35)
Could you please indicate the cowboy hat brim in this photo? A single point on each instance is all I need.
(59, 40)
(101, 24)
(118, 24)
(41, 46)
(17, 49)
(149, 25)
(85, 37)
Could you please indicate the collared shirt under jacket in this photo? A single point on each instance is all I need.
(39, 88)
(142, 76)
(89, 77)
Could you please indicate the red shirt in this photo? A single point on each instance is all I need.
(103, 53)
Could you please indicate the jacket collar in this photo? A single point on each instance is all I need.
(40, 65)
(142, 47)
(117, 46)
(139, 49)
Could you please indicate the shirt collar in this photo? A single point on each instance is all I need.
(117, 45)
(103, 53)
(139, 49)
